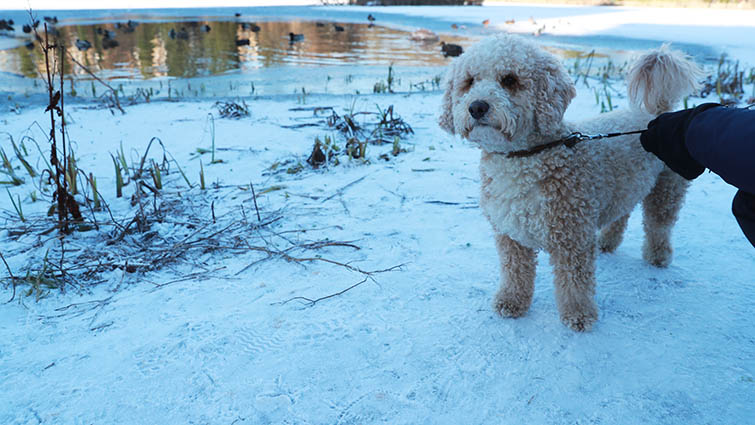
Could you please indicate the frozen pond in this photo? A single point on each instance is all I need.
(242, 51)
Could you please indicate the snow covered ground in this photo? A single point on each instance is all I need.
(418, 345)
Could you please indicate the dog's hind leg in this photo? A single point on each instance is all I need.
(660, 210)
(612, 235)
(517, 277)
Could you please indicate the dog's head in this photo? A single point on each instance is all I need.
(505, 93)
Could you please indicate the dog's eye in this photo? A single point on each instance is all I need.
(509, 81)
(467, 84)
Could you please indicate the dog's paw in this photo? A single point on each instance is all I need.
(657, 253)
(509, 305)
(580, 320)
(608, 243)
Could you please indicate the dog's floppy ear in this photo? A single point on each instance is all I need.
(446, 119)
(554, 91)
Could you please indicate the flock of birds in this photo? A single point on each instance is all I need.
(7, 25)
(423, 35)
(109, 40)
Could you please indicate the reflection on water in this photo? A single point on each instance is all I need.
(213, 53)
(204, 48)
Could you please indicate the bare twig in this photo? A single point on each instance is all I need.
(188, 277)
(12, 278)
(254, 197)
(367, 276)
(342, 189)
(310, 302)
(92, 74)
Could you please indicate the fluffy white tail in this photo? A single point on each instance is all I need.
(659, 79)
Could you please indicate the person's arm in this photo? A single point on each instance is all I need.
(666, 139)
(707, 136)
(723, 140)
(715, 137)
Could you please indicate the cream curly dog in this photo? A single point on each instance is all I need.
(507, 94)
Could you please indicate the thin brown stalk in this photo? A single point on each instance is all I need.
(92, 74)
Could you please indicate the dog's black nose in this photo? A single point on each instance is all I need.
(478, 108)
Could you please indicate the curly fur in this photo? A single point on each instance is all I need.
(569, 201)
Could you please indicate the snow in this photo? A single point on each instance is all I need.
(731, 30)
(419, 345)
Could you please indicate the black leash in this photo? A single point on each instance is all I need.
(574, 138)
(568, 141)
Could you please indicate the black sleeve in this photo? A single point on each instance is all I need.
(723, 140)
(665, 138)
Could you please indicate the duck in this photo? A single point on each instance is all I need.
(293, 38)
(449, 49)
(424, 35)
(242, 41)
(370, 18)
(109, 43)
(6, 25)
(182, 34)
(337, 27)
(250, 26)
(125, 27)
(83, 45)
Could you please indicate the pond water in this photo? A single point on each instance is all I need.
(202, 48)
(226, 52)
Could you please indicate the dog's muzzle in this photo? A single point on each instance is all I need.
(478, 109)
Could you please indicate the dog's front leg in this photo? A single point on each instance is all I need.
(517, 277)
(574, 279)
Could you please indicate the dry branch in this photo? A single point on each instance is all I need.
(367, 276)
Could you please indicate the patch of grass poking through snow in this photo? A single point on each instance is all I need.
(49, 263)
(234, 110)
(17, 206)
(354, 131)
(8, 170)
(323, 153)
(431, 84)
(728, 82)
(38, 278)
(211, 151)
(386, 86)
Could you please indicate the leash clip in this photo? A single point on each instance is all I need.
(574, 138)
